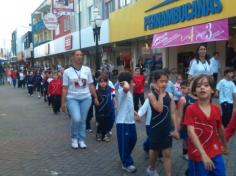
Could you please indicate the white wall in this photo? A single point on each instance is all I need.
(87, 40)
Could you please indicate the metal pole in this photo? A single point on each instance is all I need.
(97, 49)
(79, 26)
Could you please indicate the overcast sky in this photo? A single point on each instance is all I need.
(15, 13)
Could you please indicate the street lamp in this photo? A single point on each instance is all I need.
(96, 25)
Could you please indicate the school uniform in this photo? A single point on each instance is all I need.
(104, 110)
(183, 130)
(226, 90)
(138, 92)
(206, 130)
(161, 126)
(55, 90)
(125, 126)
(146, 111)
(30, 84)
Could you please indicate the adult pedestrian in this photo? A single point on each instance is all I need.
(200, 64)
(76, 96)
(140, 65)
(215, 65)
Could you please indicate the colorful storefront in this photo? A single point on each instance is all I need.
(172, 30)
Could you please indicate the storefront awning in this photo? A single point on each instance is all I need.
(207, 32)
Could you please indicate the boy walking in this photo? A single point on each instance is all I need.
(226, 90)
(125, 124)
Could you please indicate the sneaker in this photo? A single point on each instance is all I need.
(82, 145)
(98, 137)
(185, 157)
(130, 169)
(89, 130)
(151, 172)
(106, 139)
(39, 97)
(74, 143)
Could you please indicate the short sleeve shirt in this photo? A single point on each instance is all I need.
(206, 130)
(226, 90)
(125, 114)
(74, 80)
(198, 68)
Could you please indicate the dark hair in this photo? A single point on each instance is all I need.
(229, 70)
(197, 54)
(157, 75)
(97, 74)
(102, 77)
(125, 76)
(199, 78)
(216, 53)
(73, 53)
(185, 83)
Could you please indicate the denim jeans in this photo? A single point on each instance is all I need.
(78, 110)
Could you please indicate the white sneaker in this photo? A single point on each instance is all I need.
(151, 172)
(130, 169)
(74, 143)
(82, 145)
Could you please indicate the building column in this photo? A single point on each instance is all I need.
(134, 53)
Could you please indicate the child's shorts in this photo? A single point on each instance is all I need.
(198, 168)
(160, 143)
(183, 133)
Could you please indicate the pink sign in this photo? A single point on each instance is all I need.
(213, 31)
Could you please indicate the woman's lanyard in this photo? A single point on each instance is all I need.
(204, 65)
(75, 69)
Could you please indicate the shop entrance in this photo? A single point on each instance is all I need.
(183, 61)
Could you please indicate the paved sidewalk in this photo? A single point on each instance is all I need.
(35, 142)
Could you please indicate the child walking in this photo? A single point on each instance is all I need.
(55, 91)
(139, 82)
(104, 109)
(163, 116)
(146, 111)
(30, 83)
(226, 90)
(183, 103)
(205, 131)
(125, 124)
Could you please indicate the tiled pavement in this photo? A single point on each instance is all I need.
(35, 142)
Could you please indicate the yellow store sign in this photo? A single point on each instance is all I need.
(147, 17)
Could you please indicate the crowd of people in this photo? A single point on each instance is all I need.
(181, 110)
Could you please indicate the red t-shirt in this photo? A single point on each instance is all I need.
(231, 127)
(139, 82)
(206, 130)
(13, 74)
(55, 87)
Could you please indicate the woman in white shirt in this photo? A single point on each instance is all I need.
(76, 96)
(201, 64)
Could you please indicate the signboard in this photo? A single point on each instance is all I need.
(63, 6)
(213, 31)
(185, 12)
(50, 21)
(68, 42)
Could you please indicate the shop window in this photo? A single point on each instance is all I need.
(90, 11)
(123, 3)
(109, 7)
(66, 24)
